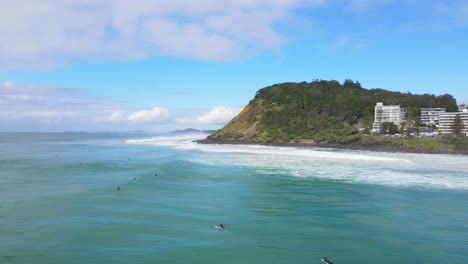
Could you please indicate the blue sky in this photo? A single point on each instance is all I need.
(155, 65)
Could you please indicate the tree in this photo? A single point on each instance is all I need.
(417, 124)
(458, 126)
(388, 128)
(447, 101)
(409, 124)
(348, 83)
(367, 125)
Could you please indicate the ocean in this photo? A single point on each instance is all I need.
(59, 202)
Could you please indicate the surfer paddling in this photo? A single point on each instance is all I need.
(220, 226)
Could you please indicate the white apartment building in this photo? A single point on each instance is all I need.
(387, 113)
(446, 121)
(430, 116)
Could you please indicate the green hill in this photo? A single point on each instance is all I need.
(318, 112)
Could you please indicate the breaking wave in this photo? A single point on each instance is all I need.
(390, 169)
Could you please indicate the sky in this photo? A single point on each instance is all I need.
(156, 65)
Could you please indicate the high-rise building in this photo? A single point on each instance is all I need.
(387, 113)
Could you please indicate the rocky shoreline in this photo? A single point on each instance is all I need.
(377, 148)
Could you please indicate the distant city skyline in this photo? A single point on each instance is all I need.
(159, 66)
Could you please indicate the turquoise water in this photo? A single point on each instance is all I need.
(59, 203)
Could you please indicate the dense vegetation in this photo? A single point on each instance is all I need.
(320, 112)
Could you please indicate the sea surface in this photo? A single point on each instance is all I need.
(59, 202)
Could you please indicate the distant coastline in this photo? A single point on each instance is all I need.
(375, 147)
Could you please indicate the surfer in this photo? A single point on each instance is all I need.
(220, 226)
(118, 188)
(326, 261)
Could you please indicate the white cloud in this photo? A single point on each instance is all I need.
(31, 107)
(146, 116)
(6, 84)
(218, 115)
(157, 114)
(35, 107)
(47, 116)
(47, 104)
(112, 117)
(49, 33)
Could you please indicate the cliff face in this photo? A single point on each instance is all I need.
(245, 125)
(320, 111)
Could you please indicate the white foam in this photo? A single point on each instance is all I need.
(391, 169)
(187, 142)
(178, 141)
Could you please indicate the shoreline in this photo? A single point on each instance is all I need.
(375, 148)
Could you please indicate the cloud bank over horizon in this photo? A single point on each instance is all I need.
(27, 107)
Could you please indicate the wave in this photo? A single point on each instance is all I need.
(188, 142)
(177, 141)
(390, 169)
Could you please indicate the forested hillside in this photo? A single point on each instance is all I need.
(319, 111)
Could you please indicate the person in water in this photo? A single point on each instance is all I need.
(326, 261)
(118, 188)
(220, 226)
